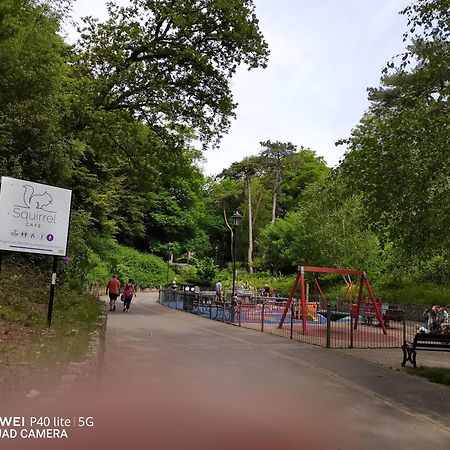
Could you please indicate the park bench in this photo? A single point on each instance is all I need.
(427, 342)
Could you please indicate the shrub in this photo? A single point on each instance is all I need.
(206, 271)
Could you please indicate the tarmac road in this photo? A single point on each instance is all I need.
(202, 384)
(175, 381)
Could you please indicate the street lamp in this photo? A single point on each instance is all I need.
(236, 219)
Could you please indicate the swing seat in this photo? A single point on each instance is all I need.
(335, 315)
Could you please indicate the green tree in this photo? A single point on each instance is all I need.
(301, 169)
(328, 229)
(275, 154)
(206, 271)
(169, 62)
(32, 94)
(245, 170)
(398, 154)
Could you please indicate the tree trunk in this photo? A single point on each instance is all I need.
(274, 197)
(231, 231)
(250, 227)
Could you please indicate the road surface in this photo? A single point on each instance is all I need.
(248, 389)
(175, 381)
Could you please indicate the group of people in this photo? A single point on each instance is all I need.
(437, 320)
(113, 289)
(264, 292)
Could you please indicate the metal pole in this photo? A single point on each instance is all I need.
(303, 299)
(292, 320)
(52, 291)
(328, 325)
(351, 324)
(404, 328)
(233, 296)
(262, 316)
(234, 262)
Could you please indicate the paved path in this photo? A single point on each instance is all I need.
(175, 381)
(213, 382)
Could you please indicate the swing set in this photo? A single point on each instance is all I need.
(363, 281)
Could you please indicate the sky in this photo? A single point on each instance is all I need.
(324, 54)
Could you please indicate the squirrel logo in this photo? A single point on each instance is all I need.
(37, 201)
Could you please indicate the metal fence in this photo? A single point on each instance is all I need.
(334, 325)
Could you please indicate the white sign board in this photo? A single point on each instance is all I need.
(34, 217)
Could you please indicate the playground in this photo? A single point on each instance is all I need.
(357, 319)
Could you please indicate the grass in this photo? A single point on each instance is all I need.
(25, 337)
(417, 293)
(434, 374)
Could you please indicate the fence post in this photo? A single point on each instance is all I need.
(210, 309)
(262, 316)
(328, 325)
(351, 326)
(240, 310)
(404, 326)
(292, 320)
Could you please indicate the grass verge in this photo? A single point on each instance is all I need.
(27, 344)
(434, 374)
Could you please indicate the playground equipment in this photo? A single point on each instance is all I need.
(363, 281)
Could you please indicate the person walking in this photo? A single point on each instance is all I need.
(113, 288)
(128, 293)
(219, 291)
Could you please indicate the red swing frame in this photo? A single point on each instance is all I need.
(363, 280)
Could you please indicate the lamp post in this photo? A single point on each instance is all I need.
(236, 219)
(217, 249)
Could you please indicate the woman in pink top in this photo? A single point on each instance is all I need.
(128, 293)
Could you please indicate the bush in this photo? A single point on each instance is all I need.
(105, 256)
(206, 270)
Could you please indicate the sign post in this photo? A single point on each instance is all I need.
(35, 219)
(52, 291)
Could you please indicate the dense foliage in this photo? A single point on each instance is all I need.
(400, 148)
(118, 118)
(114, 117)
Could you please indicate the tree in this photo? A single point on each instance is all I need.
(398, 154)
(169, 62)
(245, 170)
(275, 155)
(33, 80)
(327, 229)
(301, 169)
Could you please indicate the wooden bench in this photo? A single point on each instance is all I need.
(427, 342)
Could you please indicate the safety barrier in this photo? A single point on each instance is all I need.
(333, 325)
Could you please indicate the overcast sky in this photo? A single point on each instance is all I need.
(324, 55)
